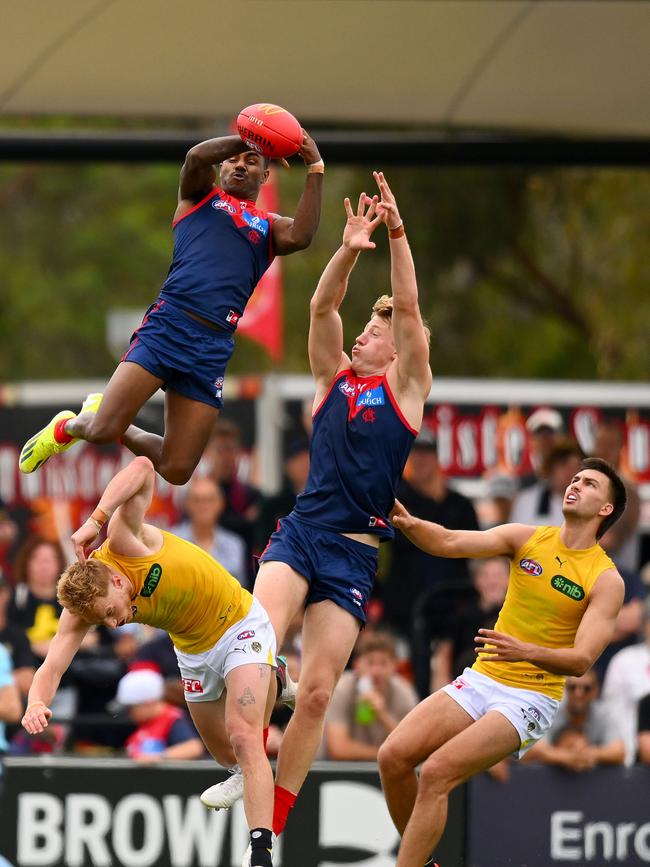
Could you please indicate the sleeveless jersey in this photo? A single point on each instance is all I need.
(183, 590)
(547, 595)
(222, 247)
(359, 446)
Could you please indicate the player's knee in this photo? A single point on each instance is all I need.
(313, 699)
(435, 776)
(246, 741)
(391, 763)
(175, 474)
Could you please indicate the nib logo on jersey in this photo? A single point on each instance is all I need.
(371, 397)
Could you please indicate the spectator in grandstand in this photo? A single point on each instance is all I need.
(204, 506)
(627, 680)
(622, 542)
(413, 572)
(540, 504)
(11, 706)
(545, 428)
(224, 457)
(158, 655)
(368, 701)
(8, 534)
(34, 606)
(296, 470)
(644, 730)
(584, 733)
(455, 650)
(14, 640)
(500, 490)
(164, 732)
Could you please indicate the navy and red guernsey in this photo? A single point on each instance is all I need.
(222, 247)
(359, 447)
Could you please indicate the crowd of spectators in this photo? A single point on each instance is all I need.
(123, 692)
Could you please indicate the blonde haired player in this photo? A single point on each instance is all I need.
(559, 614)
(223, 639)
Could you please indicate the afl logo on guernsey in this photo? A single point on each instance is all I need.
(220, 205)
(347, 388)
(531, 567)
(371, 397)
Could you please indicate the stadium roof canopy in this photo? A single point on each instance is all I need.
(571, 68)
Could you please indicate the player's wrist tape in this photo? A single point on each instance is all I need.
(317, 168)
(98, 519)
(397, 232)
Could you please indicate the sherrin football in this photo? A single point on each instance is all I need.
(270, 130)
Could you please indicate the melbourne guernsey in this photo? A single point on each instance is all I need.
(547, 595)
(359, 447)
(182, 590)
(222, 247)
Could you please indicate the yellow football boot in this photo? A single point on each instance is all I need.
(42, 445)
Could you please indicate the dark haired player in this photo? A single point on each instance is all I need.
(558, 616)
(223, 244)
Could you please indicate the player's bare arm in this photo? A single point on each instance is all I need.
(70, 633)
(503, 540)
(326, 355)
(125, 502)
(594, 634)
(198, 173)
(291, 235)
(410, 373)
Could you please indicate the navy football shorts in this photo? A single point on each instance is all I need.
(187, 355)
(334, 566)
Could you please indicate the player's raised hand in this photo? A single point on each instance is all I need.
(309, 149)
(387, 208)
(360, 226)
(36, 717)
(82, 538)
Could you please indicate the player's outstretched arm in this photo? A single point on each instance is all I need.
(594, 634)
(290, 235)
(198, 173)
(411, 341)
(125, 501)
(326, 354)
(63, 647)
(435, 539)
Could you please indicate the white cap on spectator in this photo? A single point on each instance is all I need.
(545, 417)
(138, 686)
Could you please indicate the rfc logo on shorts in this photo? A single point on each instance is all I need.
(567, 587)
(532, 717)
(220, 205)
(249, 633)
(151, 581)
(371, 397)
(531, 567)
(192, 686)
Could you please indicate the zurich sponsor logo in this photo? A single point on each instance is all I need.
(249, 633)
(531, 567)
(371, 397)
(220, 205)
(347, 388)
(257, 223)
